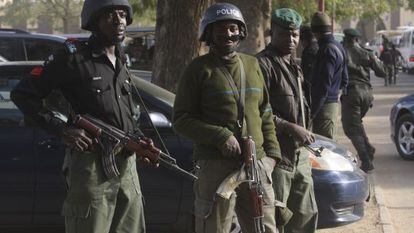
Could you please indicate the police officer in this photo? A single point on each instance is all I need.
(94, 79)
(292, 177)
(208, 109)
(357, 98)
(329, 76)
(386, 57)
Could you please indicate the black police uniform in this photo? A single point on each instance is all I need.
(92, 85)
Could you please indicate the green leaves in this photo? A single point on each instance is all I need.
(343, 9)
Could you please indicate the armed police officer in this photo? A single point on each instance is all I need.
(210, 109)
(292, 177)
(94, 80)
(329, 76)
(357, 99)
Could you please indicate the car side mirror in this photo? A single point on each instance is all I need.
(160, 120)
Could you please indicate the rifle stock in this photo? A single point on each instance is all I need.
(101, 130)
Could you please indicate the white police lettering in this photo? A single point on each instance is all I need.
(228, 12)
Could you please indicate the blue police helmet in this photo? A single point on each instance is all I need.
(219, 12)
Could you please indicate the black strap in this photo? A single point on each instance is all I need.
(240, 95)
(141, 101)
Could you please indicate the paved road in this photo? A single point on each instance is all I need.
(394, 176)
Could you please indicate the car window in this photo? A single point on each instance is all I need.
(9, 113)
(12, 49)
(39, 50)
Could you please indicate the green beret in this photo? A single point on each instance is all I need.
(287, 18)
(352, 32)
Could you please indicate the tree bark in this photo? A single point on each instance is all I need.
(176, 38)
(257, 16)
(176, 34)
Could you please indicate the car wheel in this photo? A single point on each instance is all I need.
(404, 135)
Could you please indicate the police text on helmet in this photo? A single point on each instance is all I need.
(228, 12)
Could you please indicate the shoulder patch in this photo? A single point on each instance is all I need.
(70, 46)
(49, 59)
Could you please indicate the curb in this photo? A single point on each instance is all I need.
(384, 215)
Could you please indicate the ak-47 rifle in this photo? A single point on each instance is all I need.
(249, 173)
(113, 140)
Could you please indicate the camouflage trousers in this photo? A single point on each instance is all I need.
(215, 214)
(325, 122)
(298, 212)
(96, 204)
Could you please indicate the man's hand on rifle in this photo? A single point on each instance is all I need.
(231, 148)
(300, 134)
(149, 144)
(77, 139)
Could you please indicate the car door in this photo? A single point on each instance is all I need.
(49, 155)
(12, 48)
(16, 159)
(40, 49)
(162, 188)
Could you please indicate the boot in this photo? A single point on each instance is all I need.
(367, 166)
(370, 147)
(363, 152)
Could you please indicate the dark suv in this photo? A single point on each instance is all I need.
(19, 45)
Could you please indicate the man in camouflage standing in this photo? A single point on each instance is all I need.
(292, 177)
(357, 97)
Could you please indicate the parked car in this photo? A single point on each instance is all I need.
(19, 45)
(2, 59)
(32, 190)
(402, 126)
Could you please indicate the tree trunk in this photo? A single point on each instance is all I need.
(176, 38)
(257, 16)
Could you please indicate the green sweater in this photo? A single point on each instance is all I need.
(205, 108)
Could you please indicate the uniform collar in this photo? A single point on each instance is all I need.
(273, 52)
(98, 50)
(326, 38)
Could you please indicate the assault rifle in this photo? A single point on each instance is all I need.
(113, 140)
(248, 173)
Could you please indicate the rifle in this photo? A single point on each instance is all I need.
(248, 173)
(112, 139)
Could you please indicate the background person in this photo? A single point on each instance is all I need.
(329, 76)
(310, 49)
(387, 58)
(357, 98)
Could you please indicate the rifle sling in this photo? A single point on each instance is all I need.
(240, 95)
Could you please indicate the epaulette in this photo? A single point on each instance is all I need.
(70, 46)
